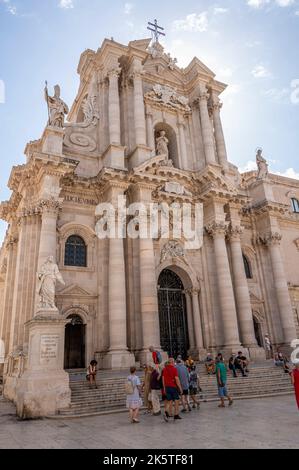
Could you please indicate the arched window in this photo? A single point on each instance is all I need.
(247, 267)
(75, 252)
(295, 205)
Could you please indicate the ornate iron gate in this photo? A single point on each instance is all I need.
(172, 313)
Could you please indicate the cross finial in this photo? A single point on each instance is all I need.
(156, 30)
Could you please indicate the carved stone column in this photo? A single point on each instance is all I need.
(118, 356)
(183, 147)
(207, 133)
(114, 107)
(219, 135)
(139, 109)
(148, 298)
(48, 236)
(190, 319)
(241, 289)
(12, 249)
(197, 320)
(273, 241)
(225, 287)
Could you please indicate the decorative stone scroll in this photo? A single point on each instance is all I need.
(83, 134)
(168, 97)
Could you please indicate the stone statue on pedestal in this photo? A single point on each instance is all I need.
(263, 168)
(162, 144)
(57, 108)
(47, 277)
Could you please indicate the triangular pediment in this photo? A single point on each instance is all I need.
(75, 290)
(212, 179)
(200, 68)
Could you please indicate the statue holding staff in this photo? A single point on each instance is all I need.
(57, 108)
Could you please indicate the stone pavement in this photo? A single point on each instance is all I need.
(264, 423)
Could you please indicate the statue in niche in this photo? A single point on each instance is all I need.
(57, 108)
(263, 168)
(162, 144)
(47, 278)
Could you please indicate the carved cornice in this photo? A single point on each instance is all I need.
(217, 229)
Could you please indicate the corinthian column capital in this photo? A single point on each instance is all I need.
(272, 238)
(204, 96)
(217, 229)
(235, 232)
(114, 72)
(50, 206)
(217, 106)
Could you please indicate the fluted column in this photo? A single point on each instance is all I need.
(148, 294)
(242, 295)
(207, 132)
(183, 147)
(117, 297)
(114, 107)
(273, 241)
(219, 135)
(197, 319)
(48, 235)
(225, 287)
(139, 109)
(12, 249)
(150, 129)
(190, 319)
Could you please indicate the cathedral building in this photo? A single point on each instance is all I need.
(146, 130)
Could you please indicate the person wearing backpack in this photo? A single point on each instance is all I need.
(156, 356)
(134, 401)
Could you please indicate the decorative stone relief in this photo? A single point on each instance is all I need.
(168, 97)
(176, 188)
(173, 249)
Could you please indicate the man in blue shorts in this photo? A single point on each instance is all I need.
(172, 389)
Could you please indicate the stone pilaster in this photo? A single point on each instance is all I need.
(114, 106)
(150, 129)
(241, 289)
(183, 147)
(207, 133)
(199, 341)
(273, 241)
(139, 109)
(48, 236)
(219, 135)
(225, 287)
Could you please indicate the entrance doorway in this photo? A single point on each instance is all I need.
(74, 355)
(173, 314)
(258, 332)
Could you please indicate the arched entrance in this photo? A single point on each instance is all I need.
(74, 355)
(173, 314)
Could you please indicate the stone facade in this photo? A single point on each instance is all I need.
(130, 96)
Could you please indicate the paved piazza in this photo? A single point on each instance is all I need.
(265, 423)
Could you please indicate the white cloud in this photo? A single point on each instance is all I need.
(280, 95)
(261, 3)
(257, 3)
(249, 166)
(193, 22)
(128, 8)
(66, 4)
(285, 3)
(12, 9)
(219, 10)
(297, 13)
(260, 71)
(289, 173)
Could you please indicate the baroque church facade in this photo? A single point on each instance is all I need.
(145, 129)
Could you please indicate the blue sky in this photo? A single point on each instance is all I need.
(252, 45)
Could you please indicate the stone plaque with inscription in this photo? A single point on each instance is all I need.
(49, 348)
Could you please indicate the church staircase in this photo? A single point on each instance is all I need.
(264, 380)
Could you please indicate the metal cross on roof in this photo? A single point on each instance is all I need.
(156, 30)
